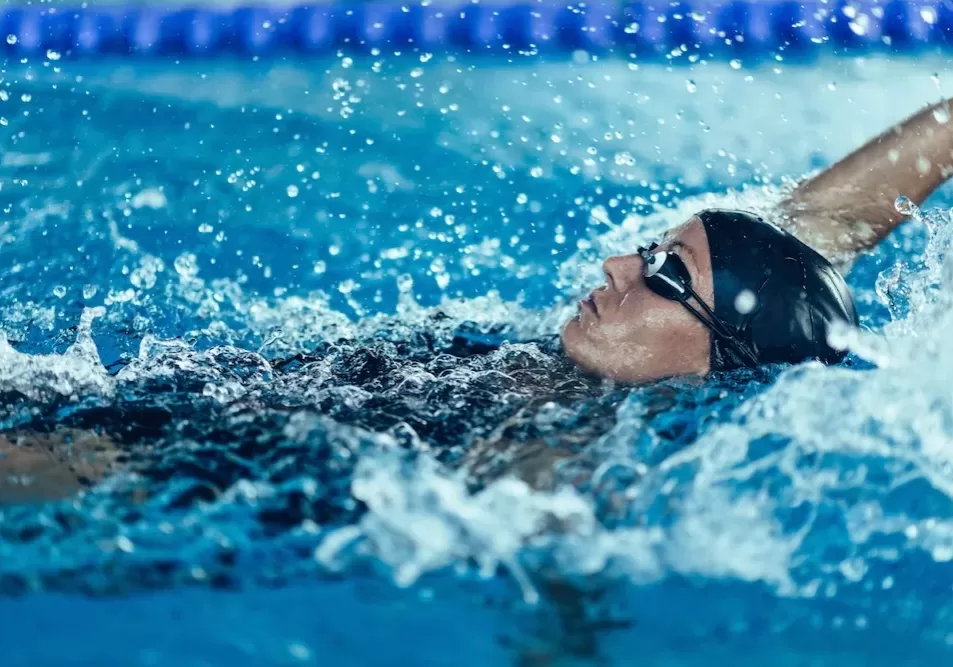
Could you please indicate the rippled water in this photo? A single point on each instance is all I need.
(307, 314)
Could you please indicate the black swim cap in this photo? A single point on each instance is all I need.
(776, 294)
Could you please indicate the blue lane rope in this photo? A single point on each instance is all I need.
(641, 27)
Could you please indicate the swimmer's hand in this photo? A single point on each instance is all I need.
(850, 206)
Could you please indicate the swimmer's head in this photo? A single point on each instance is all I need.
(724, 290)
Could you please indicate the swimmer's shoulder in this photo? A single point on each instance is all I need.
(40, 467)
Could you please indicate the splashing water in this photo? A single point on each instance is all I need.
(75, 373)
(273, 422)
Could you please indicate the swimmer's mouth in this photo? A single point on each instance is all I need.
(589, 304)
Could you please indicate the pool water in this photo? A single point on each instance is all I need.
(312, 306)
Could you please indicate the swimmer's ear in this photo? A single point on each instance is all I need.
(850, 206)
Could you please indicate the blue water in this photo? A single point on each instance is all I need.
(227, 216)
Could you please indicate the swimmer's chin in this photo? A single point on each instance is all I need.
(589, 361)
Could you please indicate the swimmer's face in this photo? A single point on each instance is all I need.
(624, 331)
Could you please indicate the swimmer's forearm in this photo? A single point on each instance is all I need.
(912, 159)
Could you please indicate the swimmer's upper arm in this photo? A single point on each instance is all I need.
(850, 206)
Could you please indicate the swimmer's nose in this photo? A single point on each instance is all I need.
(623, 271)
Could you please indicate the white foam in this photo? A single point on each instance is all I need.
(75, 373)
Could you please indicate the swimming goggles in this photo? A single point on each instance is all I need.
(666, 274)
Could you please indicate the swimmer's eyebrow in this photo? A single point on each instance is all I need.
(675, 243)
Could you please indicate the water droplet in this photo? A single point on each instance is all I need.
(904, 206)
(942, 553)
(299, 651)
(59, 291)
(144, 277)
(923, 165)
(11, 39)
(186, 265)
(832, 86)
(89, 291)
(536, 172)
(860, 25)
(206, 228)
(745, 301)
(942, 115)
(271, 338)
(936, 80)
(691, 86)
(735, 63)
(624, 159)
(292, 191)
(320, 267)
(521, 198)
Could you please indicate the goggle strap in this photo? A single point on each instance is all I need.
(716, 327)
(708, 311)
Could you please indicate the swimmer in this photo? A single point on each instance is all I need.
(728, 289)
(37, 467)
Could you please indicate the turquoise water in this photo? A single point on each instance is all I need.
(299, 297)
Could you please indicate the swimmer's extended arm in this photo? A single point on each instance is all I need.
(850, 206)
